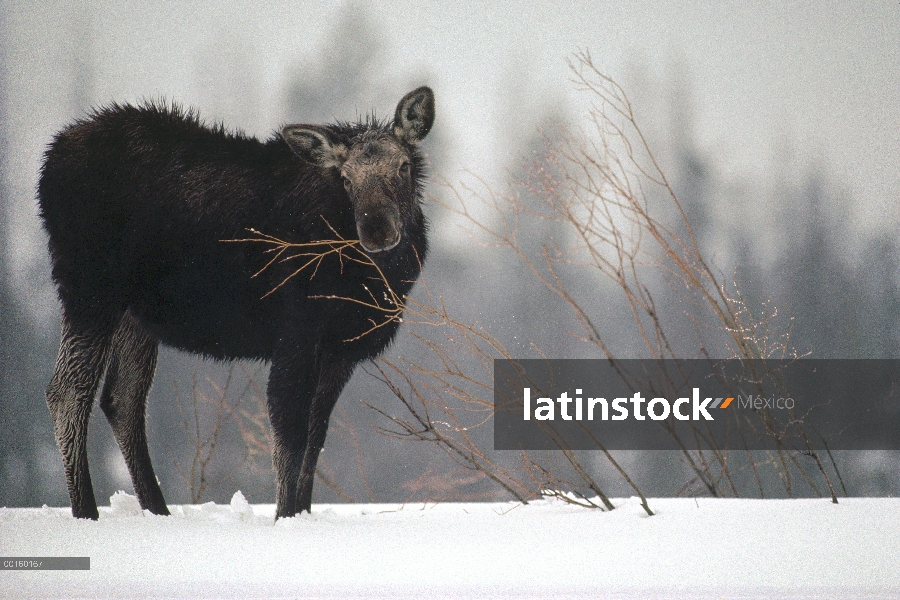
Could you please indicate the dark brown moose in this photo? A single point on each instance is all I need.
(137, 202)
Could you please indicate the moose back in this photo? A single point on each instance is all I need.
(139, 203)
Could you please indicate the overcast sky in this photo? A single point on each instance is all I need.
(822, 77)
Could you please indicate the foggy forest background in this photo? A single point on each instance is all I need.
(783, 242)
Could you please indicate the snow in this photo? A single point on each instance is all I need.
(715, 548)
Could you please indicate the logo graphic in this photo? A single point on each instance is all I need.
(698, 404)
(658, 409)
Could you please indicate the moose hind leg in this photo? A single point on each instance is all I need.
(132, 363)
(82, 356)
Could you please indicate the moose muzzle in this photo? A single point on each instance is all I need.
(378, 225)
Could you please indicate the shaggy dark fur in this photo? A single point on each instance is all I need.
(137, 202)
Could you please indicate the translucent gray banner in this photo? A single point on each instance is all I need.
(45, 563)
(800, 405)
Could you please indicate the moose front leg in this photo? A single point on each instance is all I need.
(303, 388)
(332, 378)
(290, 391)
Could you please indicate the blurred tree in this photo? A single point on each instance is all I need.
(537, 319)
(21, 349)
(841, 310)
(83, 72)
(877, 279)
(227, 73)
(346, 76)
(692, 172)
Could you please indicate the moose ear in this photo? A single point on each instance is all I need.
(415, 115)
(315, 145)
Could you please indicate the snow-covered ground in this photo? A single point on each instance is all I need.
(546, 549)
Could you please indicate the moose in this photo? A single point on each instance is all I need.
(139, 204)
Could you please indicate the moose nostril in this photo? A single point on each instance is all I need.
(378, 233)
(383, 247)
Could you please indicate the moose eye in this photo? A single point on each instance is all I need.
(347, 183)
(404, 169)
